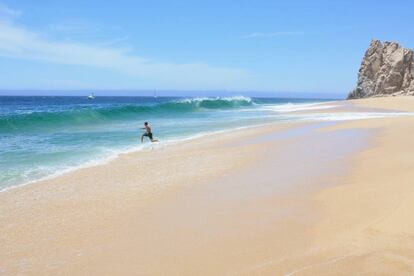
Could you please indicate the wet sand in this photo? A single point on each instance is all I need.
(306, 198)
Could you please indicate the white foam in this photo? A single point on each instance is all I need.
(289, 107)
(228, 99)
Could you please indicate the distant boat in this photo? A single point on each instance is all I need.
(155, 94)
(91, 96)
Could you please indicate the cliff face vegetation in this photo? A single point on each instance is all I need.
(386, 70)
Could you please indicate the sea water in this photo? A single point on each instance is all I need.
(43, 136)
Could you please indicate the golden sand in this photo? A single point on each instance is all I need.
(305, 199)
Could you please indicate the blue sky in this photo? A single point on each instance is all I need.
(245, 46)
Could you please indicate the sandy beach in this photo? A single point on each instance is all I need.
(304, 198)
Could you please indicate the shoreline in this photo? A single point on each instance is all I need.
(265, 200)
(105, 160)
(324, 106)
(102, 158)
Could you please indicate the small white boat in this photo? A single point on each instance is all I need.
(91, 96)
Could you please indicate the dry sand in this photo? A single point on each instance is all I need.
(306, 199)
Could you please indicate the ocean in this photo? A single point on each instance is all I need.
(44, 136)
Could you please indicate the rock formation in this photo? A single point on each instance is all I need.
(386, 70)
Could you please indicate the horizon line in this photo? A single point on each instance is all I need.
(171, 93)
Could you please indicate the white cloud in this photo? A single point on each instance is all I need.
(21, 43)
(273, 34)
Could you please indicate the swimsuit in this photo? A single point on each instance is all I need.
(148, 134)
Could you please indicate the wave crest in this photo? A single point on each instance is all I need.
(96, 114)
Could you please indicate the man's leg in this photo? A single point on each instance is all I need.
(152, 140)
(142, 138)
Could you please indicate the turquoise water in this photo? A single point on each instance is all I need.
(42, 136)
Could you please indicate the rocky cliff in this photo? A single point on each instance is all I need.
(386, 70)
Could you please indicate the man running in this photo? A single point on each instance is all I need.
(148, 133)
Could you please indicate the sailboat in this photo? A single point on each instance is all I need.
(91, 96)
